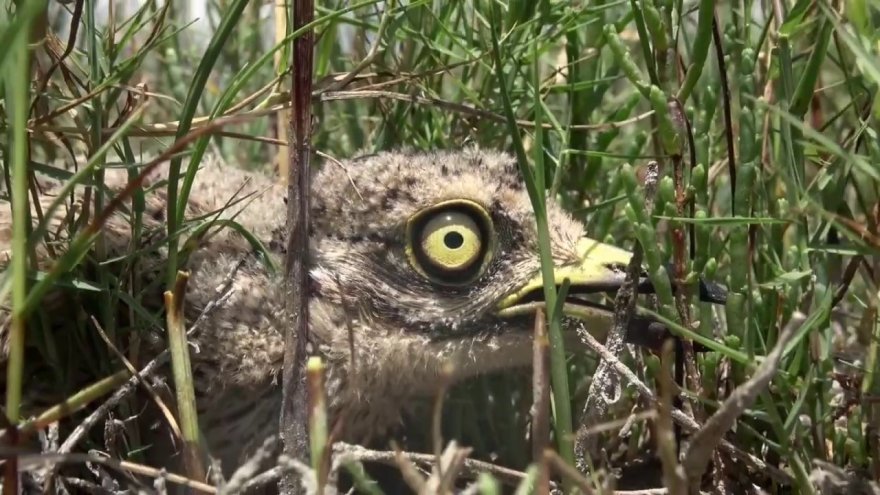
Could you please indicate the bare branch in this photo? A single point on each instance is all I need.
(687, 422)
(710, 435)
(245, 477)
(471, 468)
(605, 388)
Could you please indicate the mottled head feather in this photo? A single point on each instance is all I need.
(360, 213)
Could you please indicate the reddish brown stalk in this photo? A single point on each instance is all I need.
(680, 254)
(294, 417)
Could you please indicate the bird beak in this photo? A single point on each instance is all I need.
(601, 268)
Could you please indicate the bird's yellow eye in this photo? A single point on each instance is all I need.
(450, 242)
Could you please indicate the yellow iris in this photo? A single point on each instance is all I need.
(451, 241)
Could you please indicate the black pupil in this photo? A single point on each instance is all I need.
(453, 240)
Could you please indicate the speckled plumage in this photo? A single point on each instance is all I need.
(405, 327)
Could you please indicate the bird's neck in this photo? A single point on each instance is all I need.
(374, 371)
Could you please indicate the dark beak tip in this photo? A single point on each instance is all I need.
(712, 292)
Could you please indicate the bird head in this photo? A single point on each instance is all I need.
(430, 262)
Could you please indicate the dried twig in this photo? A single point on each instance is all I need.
(470, 468)
(223, 292)
(280, 101)
(410, 473)
(169, 416)
(687, 422)
(444, 472)
(621, 425)
(372, 54)
(707, 439)
(566, 471)
(605, 388)
(33, 461)
(243, 479)
(264, 479)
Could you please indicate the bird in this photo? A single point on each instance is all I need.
(424, 266)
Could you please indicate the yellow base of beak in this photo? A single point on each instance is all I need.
(600, 268)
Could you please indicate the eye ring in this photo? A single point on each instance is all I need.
(451, 242)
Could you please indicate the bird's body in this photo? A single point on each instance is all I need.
(404, 329)
(421, 263)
